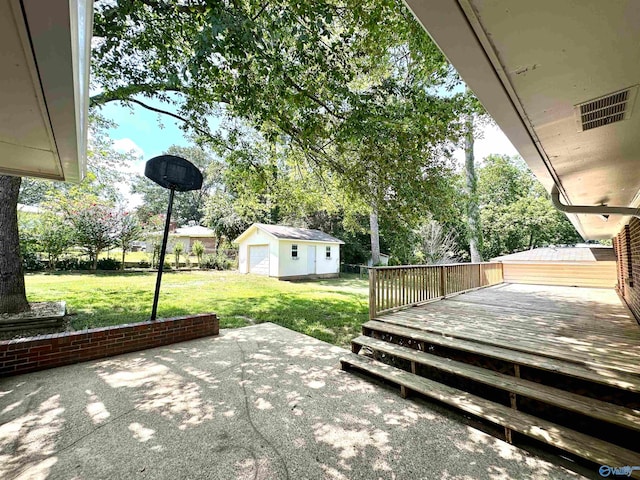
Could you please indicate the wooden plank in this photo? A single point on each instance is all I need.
(372, 293)
(590, 448)
(616, 379)
(595, 350)
(590, 407)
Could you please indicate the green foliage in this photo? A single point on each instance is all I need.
(218, 261)
(54, 236)
(516, 212)
(198, 250)
(128, 230)
(188, 206)
(327, 96)
(178, 248)
(95, 226)
(108, 264)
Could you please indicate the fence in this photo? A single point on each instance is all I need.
(391, 288)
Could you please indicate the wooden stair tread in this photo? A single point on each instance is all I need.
(612, 354)
(603, 376)
(579, 444)
(590, 407)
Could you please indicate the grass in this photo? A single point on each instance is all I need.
(330, 310)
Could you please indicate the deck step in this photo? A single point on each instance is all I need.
(584, 446)
(590, 407)
(617, 379)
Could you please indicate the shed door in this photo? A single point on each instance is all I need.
(311, 260)
(259, 259)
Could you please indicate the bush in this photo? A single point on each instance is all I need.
(72, 263)
(216, 262)
(31, 262)
(109, 264)
(144, 264)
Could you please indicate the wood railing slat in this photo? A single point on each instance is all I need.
(394, 287)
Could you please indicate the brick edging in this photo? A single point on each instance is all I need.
(25, 355)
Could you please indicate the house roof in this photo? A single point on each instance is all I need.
(283, 232)
(45, 50)
(589, 253)
(193, 231)
(551, 75)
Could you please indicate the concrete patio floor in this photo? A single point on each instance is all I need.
(261, 402)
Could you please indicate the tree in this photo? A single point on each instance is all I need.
(188, 206)
(306, 85)
(198, 250)
(516, 211)
(13, 298)
(95, 227)
(178, 248)
(128, 230)
(435, 245)
(54, 236)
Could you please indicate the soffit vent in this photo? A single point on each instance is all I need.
(605, 110)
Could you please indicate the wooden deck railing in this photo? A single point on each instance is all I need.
(391, 288)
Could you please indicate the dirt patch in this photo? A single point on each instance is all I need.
(43, 318)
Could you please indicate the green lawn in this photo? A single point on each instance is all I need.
(331, 310)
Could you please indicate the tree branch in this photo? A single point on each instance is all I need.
(185, 120)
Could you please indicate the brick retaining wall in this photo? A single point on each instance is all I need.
(48, 351)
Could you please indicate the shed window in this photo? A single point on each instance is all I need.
(294, 251)
(327, 253)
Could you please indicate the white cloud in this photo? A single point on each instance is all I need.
(126, 145)
(134, 167)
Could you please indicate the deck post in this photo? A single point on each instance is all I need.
(372, 293)
(442, 282)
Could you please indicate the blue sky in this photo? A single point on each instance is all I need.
(151, 132)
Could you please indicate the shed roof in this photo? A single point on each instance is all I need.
(591, 253)
(284, 232)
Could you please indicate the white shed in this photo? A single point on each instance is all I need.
(288, 252)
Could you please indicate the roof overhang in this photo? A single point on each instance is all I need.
(531, 64)
(45, 50)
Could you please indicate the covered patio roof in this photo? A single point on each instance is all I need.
(561, 80)
(45, 50)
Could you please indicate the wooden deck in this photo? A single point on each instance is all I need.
(590, 327)
(557, 364)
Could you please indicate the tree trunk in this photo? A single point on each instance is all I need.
(94, 266)
(124, 253)
(13, 298)
(375, 236)
(473, 212)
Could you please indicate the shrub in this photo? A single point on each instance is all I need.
(108, 264)
(31, 262)
(144, 264)
(178, 248)
(73, 263)
(198, 250)
(218, 261)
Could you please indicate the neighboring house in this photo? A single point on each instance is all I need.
(187, 235)
(288, 252)
(384, 260)
(579, 266)
(190, 234)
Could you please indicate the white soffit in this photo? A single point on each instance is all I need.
(532, 64)
(44, 60)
